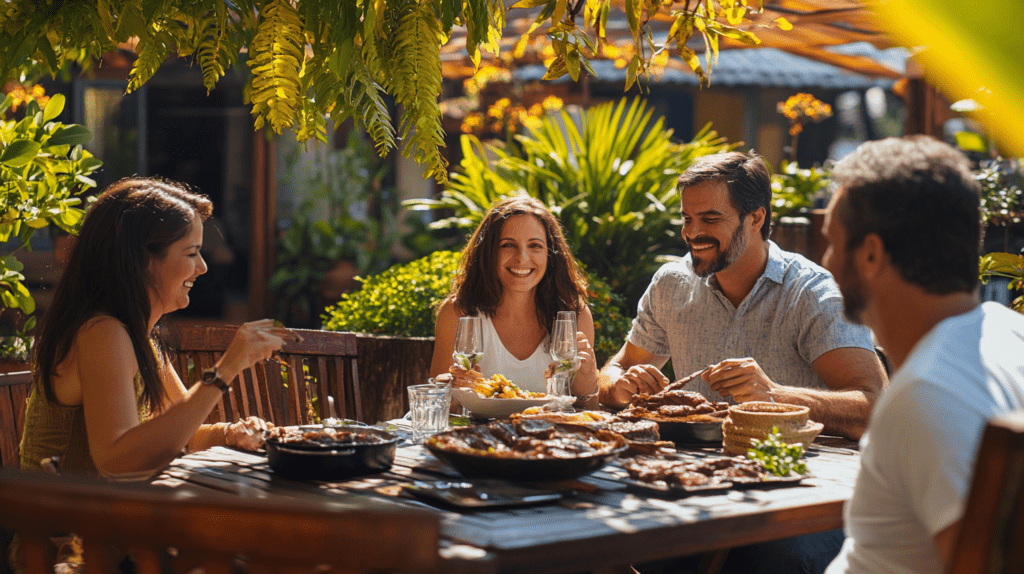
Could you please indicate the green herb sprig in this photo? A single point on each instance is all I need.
(776, 456)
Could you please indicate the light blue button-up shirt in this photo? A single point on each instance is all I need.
(792, 316)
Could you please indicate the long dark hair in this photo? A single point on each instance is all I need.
(477, 289)
(133, 221)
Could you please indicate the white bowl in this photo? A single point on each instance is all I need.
(493, 408)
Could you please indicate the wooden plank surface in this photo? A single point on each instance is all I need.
(607, 522)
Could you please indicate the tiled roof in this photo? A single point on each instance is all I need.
(763, 67)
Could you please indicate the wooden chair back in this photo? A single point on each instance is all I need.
(13, 393)
(991, 539)
(222, 533)
(322, 365)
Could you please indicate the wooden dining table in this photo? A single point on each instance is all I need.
(603, 520)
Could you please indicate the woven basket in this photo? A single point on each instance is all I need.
(761, 416)
(737, 439)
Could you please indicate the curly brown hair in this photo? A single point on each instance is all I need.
(476, 288)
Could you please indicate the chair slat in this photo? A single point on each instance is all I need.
(330, 356)
(991, 539)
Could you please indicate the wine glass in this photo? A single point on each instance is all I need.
(567, 316)
(563, 353)
(469, 343)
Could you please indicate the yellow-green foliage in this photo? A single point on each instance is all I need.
(310, 58)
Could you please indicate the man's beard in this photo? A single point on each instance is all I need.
(737, 243)
(852, 290)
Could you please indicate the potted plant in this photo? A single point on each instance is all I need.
(44, 173)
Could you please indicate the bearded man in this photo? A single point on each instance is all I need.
(767, 324)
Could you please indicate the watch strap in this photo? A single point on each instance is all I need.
(212, 377)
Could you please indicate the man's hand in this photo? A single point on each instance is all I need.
(741, 379)
(634, 380)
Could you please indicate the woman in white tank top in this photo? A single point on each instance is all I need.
(516, 273)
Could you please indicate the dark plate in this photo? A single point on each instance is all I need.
(677, 490)
(482, 494)
(320, 462)
(767, 482)
(690, 433)
(524, 469)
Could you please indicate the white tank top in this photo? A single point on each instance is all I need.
(527, 374)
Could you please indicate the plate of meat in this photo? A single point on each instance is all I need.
(683, 417)
(527, 450)
(688, 473)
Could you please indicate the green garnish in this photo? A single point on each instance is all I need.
(457, 421)
(564, 365)
(777, 457)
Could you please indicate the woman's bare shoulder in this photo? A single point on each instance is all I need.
(102, 326)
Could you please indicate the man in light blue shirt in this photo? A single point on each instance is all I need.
(766, 323)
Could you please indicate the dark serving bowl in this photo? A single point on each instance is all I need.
(690, 433)
(525, 469)
(306, 461)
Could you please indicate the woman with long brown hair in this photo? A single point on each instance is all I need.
(105, 399)
(516, 274)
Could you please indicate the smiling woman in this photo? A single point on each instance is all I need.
(516, 273)
(104, 399)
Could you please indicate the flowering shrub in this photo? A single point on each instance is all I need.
(800, 109)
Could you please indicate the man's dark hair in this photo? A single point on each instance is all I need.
(919, 196)
(750, 186)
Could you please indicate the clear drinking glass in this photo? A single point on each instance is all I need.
(568, 316)
(428, 409)
(563, 353)
(469, 342)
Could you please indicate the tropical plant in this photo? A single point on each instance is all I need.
(311, 58)
(610, 181)
(344, 181)
(1009, 266)
(402, 301)
(44, 171)
(796, 190)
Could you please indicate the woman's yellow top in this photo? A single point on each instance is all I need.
(56, 430)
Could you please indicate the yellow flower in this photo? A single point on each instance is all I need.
(552, 103)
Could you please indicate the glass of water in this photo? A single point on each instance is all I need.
(428, 409)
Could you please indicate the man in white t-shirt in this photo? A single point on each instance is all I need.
(904, 231)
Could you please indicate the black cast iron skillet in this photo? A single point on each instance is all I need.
(307, 461)
(527, 469)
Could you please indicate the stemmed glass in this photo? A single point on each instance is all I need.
(567, 316)
(563, 353)
(469, 343)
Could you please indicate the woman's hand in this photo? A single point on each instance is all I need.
(247, 433)
(254, 341)
(585, 381)
(461, 377)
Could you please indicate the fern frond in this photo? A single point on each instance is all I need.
(152, 51)
(366, 98)
(417, 88)
(276, 55)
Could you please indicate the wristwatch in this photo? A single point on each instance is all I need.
(211, 376)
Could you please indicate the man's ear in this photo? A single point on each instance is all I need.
(757, 218)
(871, 256)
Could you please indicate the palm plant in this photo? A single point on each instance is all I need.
(610, 180)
